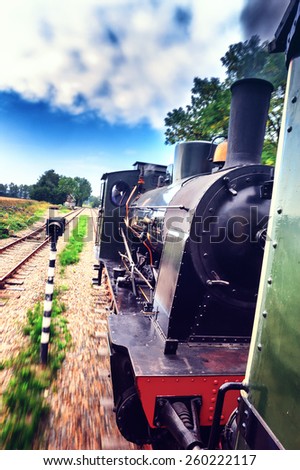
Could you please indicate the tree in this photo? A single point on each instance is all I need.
(82, 191)
(23, 191)
(3, 189)
(46, 188)
(94, 201)
(66, 186)
(208, 114)
(210, 98)
(13, 190)
(54, 188)
(252, 59)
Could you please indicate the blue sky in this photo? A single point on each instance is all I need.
(85, 85)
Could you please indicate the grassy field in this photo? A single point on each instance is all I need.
(17, 214)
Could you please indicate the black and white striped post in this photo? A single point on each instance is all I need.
(55, 227)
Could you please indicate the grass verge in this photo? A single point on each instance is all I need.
(71, 252)
(23, 405)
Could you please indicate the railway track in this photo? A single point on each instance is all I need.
(82, 391)
(18, 252)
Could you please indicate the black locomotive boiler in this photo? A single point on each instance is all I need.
(183, 263)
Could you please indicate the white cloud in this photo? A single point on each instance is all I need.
(129, 60)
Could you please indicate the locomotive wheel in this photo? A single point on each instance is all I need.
(131, 419)
(230, 432)
(121, 373)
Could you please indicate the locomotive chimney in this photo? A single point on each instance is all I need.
(248, 116)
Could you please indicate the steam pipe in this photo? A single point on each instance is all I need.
(248, 116)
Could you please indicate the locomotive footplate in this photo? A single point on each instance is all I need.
(146, 350)
(194, 370)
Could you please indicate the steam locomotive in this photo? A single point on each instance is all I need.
(183, 261)
(182, 248)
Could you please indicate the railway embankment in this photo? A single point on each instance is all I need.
(18, 214)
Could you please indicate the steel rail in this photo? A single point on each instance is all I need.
(32, 253)
(29, 235)
(19, 240)
(23, 261)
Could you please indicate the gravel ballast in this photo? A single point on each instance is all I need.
(80, 399)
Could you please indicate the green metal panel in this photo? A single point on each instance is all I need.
(273, 372)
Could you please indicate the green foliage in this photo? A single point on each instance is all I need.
(70, 254)
(46, 188)
(66, 185)
(17, 214)
(33, 329)
(13, 190)
(252, 59)
(18, 431)
(3, 189)
(54, 188)
(94, 201)
(23, 403)
(269, 153)
(63, 210)
(82, 191)
(210, 98)
(208, 113)
(245, 59)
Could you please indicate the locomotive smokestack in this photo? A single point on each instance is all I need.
(248, 116)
